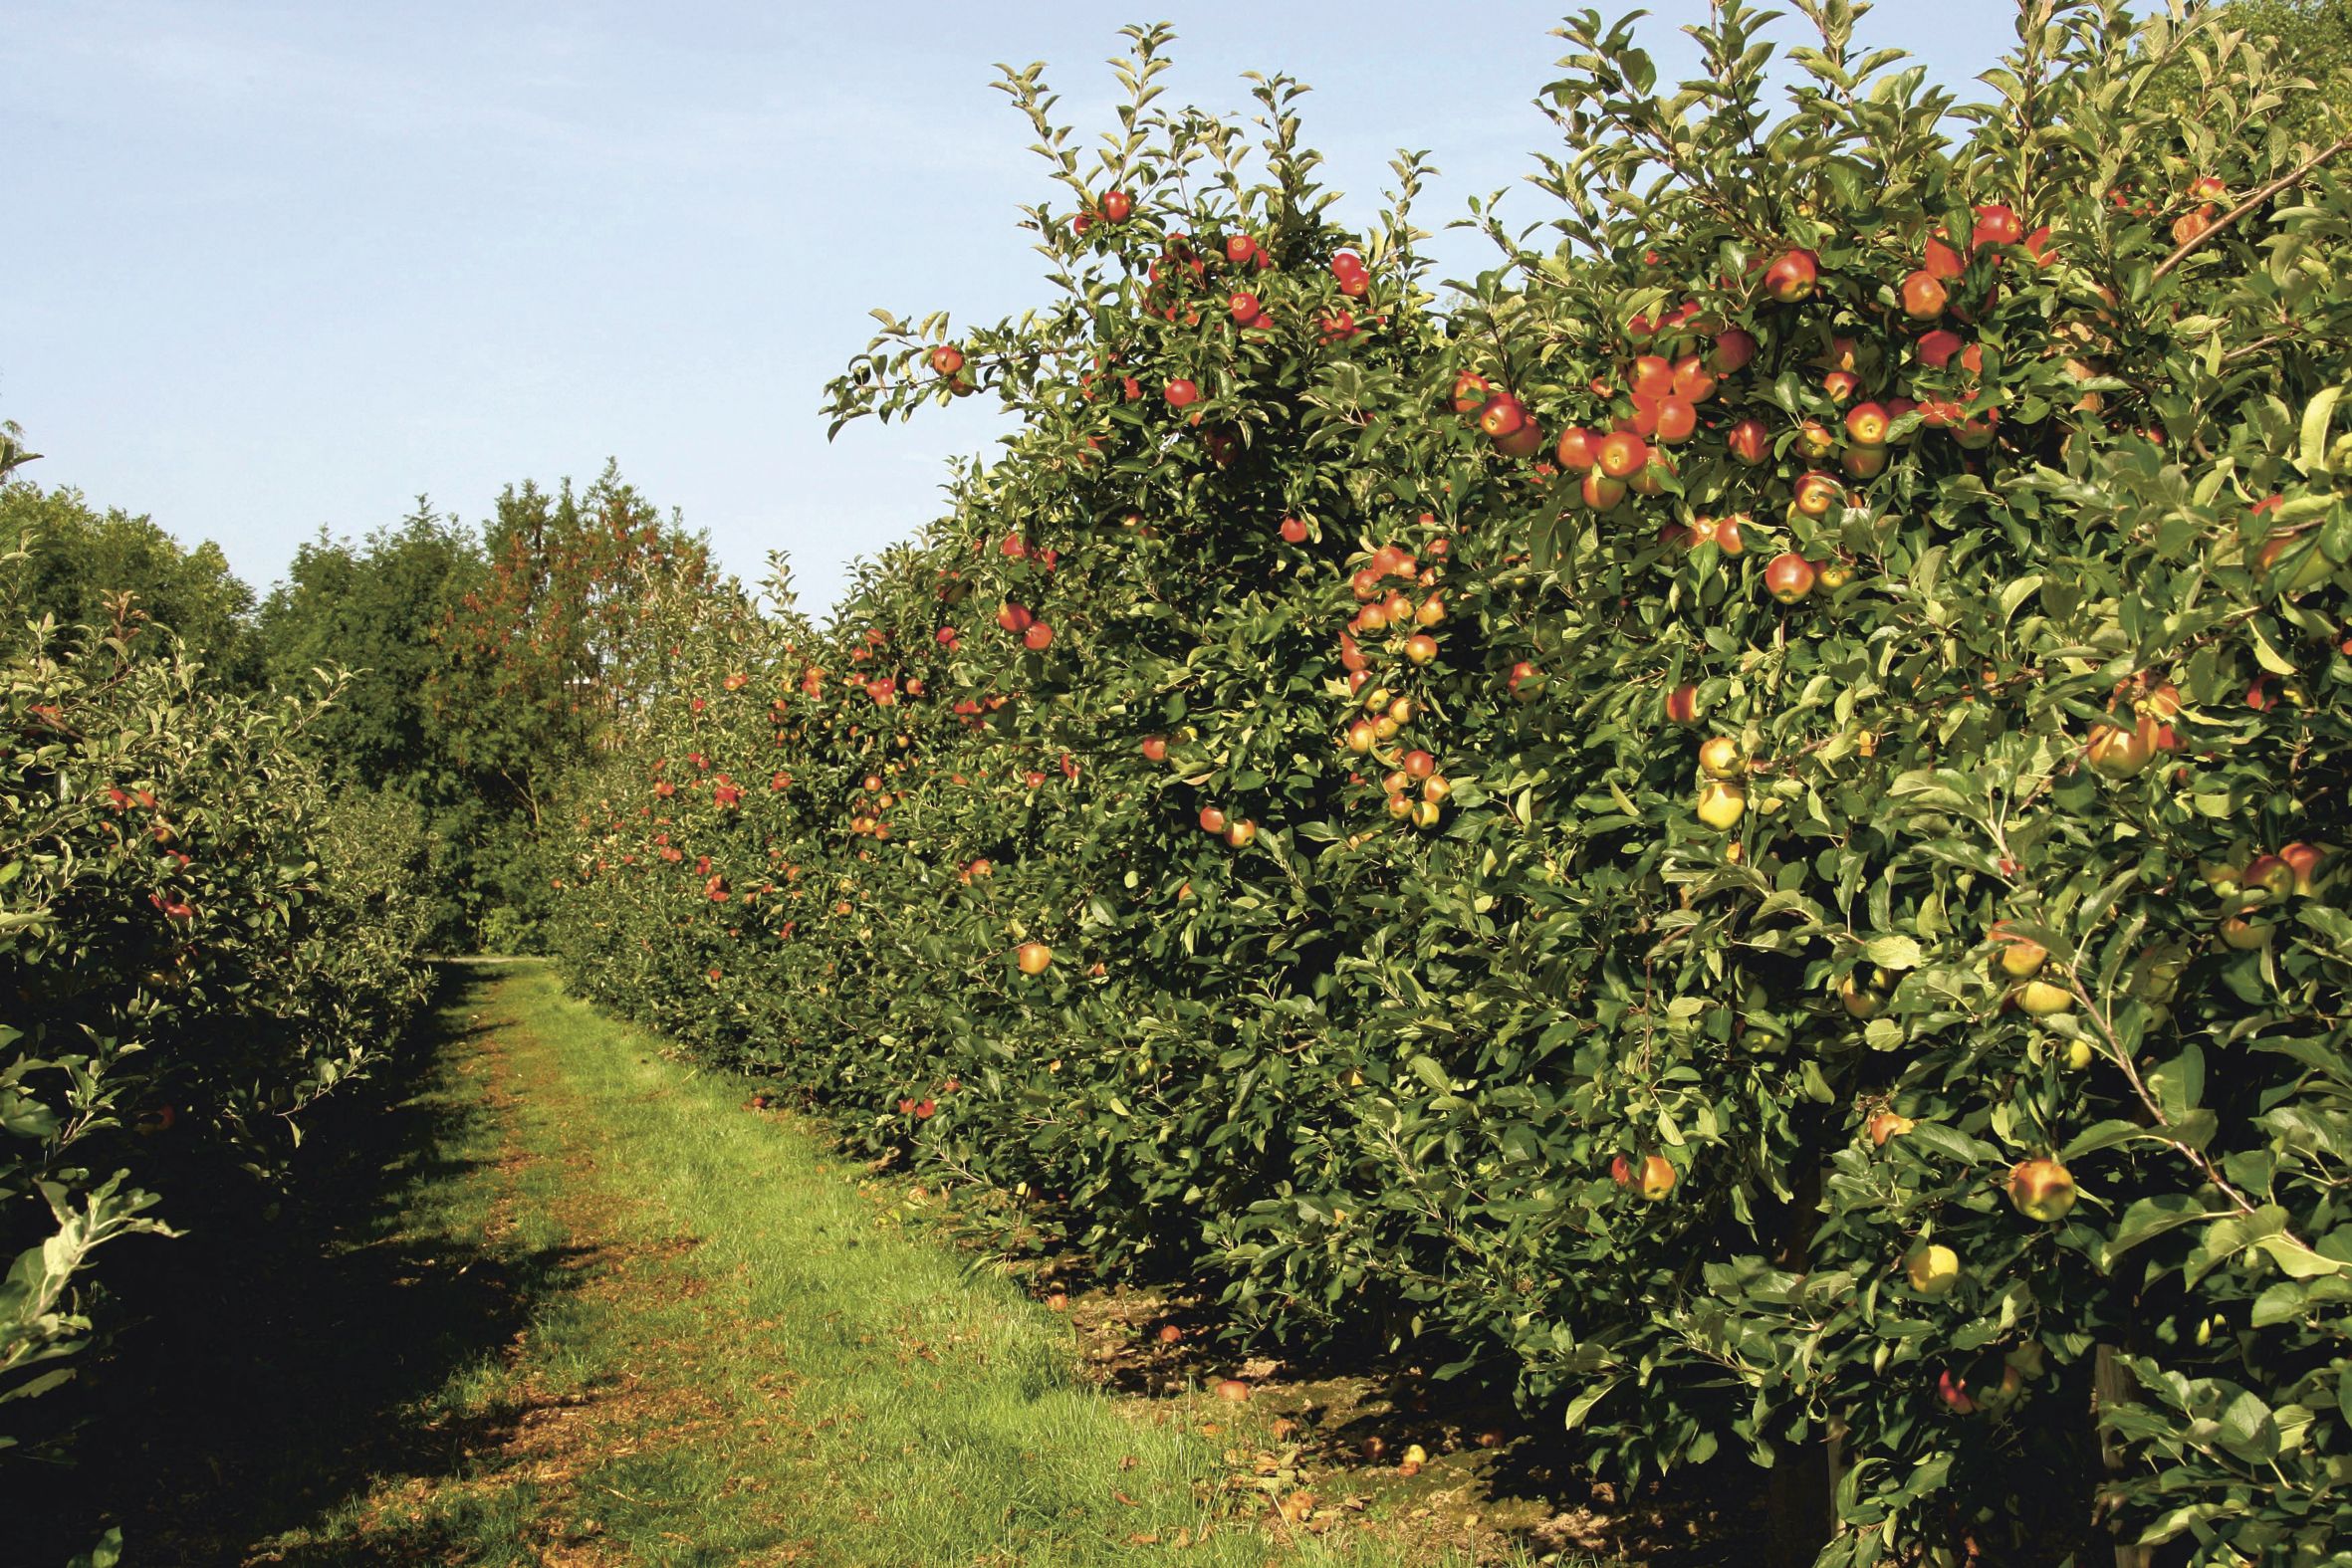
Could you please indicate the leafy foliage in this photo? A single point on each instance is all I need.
(474, 668)
(64, 557)
(2314, 37)
(198, 941)
(527, 679)
(373, 607)
(1941, 1042)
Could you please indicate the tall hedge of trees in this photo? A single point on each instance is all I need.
(200, 937)
(230, 836)
(1733, 824)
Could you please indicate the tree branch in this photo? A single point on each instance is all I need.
(2180, 252)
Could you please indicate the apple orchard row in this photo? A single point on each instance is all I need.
(1729, 825)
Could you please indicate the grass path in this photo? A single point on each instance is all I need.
(716, 1348)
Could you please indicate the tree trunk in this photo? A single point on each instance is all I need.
(1800, 1504)
(1799, 1516)
(2111, 1384)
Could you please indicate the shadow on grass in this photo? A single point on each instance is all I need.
(269, 1368)
(1357, 1407)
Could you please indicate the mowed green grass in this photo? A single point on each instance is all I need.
(738, 1351)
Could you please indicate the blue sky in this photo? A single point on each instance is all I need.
(281, 265)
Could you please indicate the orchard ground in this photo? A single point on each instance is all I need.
(568, 1300)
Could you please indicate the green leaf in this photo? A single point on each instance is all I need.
(2296, 1261)
(2150, 1217)
(2104, 1135)
(2016, 594)
(1582, 1405)
(1950, 1143)
(2179, 1084)
(2265, 654)
(1894, 952)
(2249, 1430)
(2317, 416)
(2280, 1304)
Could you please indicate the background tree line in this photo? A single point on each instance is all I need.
(478, 657)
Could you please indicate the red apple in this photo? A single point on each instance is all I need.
(2243, 935)
(1694, 382)
(1657, 1177)
(1501, 415)
(1622, 454)
(2117, 751)
(1924, 296)
(1676, 420)
(1818, 494)
(1789, 577)
(1525, 442)
(1749, 441)
(1863, 462)
(1997, 224)
(2270, 874)
(1937, 348)
(2019, 957)
(1792, 277)
(1733, 351)
(2042, 1189)
(1601, 491)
